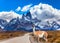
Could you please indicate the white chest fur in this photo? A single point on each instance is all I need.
(41, 35)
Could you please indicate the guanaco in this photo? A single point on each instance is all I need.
(40, 34)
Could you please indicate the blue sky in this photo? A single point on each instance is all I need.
(7, 5)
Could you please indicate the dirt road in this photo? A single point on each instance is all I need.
(21, 39)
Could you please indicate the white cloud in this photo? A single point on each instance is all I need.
(45, 12)
(41, 11)
(9, 15)
(18, 9)
(26, 8)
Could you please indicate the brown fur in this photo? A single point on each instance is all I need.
(37, 33)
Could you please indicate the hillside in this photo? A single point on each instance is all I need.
(53, 36)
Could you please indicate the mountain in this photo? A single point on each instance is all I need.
(3, 23)
(28, 15)
(50, 26)
(18, 24)
(25, 23)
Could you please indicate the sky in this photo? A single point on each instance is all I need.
(44, 10)
(7, 5)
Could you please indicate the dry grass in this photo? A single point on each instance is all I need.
(6, 35)
(53, 36)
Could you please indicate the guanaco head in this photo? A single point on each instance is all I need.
(33, 25)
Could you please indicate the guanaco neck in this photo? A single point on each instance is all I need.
(34, 30)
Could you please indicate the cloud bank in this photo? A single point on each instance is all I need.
(9, 15)
(41, 11)
(18, 9)
(26, 8)
(45, 12)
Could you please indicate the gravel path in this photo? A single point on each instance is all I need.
(21, 39)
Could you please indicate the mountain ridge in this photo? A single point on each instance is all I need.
(25, 24)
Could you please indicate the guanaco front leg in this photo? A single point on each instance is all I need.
(38, 39)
